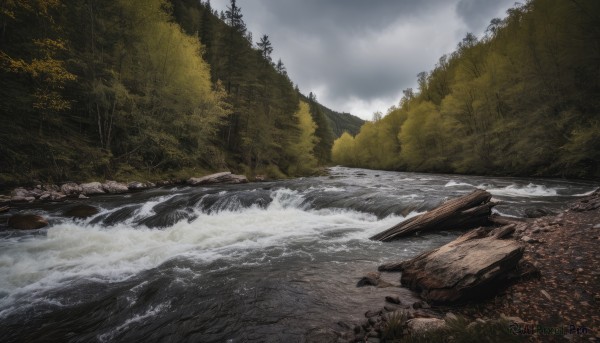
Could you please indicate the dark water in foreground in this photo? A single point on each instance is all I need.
(257, 262)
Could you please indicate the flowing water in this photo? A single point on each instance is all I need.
(270, 261)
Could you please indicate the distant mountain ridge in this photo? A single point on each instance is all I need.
(339, 122)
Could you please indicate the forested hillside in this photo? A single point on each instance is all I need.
(339, 122)
(524, 99)
(146, 88)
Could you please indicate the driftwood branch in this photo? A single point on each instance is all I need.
(466, 212)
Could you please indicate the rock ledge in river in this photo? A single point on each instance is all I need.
(463, 269)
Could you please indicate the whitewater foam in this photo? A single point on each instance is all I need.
(453, 183)
(530, 190)
(73, 251)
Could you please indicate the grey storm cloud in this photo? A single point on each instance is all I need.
(359, 55)
(477, 14)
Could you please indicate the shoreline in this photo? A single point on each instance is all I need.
(557, 303)
(71, 190)
(562, 299)
(564, 248)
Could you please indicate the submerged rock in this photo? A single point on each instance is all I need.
(373, 279)
(81, 211)
(533, 212)
(223, 177)
(21, 199)
(27, 222)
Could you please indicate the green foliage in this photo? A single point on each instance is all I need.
(339, 122)
(343, 151)
(145, 87)
(523, 100)
(303, 149)
(323, 131)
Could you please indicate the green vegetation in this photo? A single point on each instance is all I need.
(523, 100)
(146, 88)
(339, 122)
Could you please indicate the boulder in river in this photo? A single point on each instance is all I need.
(71, 189)
(466, 268)
(533, 212)
(373, 279)
(92, 188)
(21, 192)
(138, 186)
(27, 222)
(114, 187)
(50, 188)
(53, 196)
(223, 177)
(21, 199)
(81, 211)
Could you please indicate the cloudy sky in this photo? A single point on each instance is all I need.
(358, 55)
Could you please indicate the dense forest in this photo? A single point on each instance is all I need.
(522, 100)
(339, 122)
(147, 89)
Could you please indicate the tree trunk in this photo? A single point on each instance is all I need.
(466, 212)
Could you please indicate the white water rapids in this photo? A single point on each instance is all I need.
(249, 259)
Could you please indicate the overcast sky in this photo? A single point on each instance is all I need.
(358, 55)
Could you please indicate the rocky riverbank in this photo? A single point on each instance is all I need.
(553, 294)
(72, 190)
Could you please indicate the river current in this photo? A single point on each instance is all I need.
(263, 262)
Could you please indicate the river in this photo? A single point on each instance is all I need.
(263, 262)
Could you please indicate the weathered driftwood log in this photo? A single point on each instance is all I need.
(466, 212)
(223, 177)
(466, 268)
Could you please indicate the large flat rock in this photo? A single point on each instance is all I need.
(468, 267)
